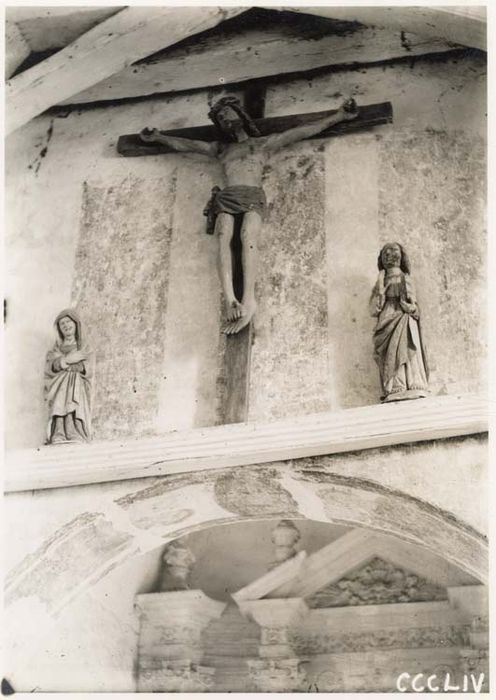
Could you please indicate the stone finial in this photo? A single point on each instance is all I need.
(284, 536)
(177, 562)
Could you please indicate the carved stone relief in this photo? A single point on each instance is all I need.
(377, 582)
(436, 636)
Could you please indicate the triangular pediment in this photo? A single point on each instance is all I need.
(377, 582)
(360, 568)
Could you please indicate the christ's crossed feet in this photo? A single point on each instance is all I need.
(245, 313)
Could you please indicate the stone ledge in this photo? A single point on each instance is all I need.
(240, 444)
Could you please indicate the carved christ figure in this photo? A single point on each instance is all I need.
(242, 153)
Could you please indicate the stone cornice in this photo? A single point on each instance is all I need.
(247, 443)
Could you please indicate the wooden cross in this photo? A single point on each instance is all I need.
(368, 116)
(235, 377)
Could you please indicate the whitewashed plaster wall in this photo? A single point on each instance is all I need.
(123, 238)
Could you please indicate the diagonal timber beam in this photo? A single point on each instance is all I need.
(52, 28)
(38, 12)
(127, 36)
(460, 25)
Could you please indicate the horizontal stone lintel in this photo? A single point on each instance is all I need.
(247, 444)
(367, 618)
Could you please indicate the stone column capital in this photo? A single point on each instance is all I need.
(275, 612)
(179, 607)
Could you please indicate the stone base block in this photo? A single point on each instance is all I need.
(180, 678)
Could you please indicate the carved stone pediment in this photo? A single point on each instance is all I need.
(377, 582)
(342, 558)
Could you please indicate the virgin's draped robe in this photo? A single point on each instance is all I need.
(69, 390)
(398, 347)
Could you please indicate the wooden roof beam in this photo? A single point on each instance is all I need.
(37, 12)
(126, 37)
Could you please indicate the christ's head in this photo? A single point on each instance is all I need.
(231, 120)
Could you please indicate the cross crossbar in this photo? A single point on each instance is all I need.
(131, 145)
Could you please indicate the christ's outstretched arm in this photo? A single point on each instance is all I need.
(346, 112)
(178, 144)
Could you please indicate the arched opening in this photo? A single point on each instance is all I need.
(229, 556)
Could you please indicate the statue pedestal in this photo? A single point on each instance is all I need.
(406, 395)
(278, 668)
(170, 646)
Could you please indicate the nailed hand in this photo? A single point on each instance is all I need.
(148, 134)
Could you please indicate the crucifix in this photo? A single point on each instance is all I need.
(242, 140)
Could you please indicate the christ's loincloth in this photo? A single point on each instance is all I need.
(237, 199)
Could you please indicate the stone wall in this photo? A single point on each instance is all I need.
(123, 239)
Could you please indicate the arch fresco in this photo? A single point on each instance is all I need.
(84, 550)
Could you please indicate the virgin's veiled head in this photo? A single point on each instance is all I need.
(404, 262)
(60, 326)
